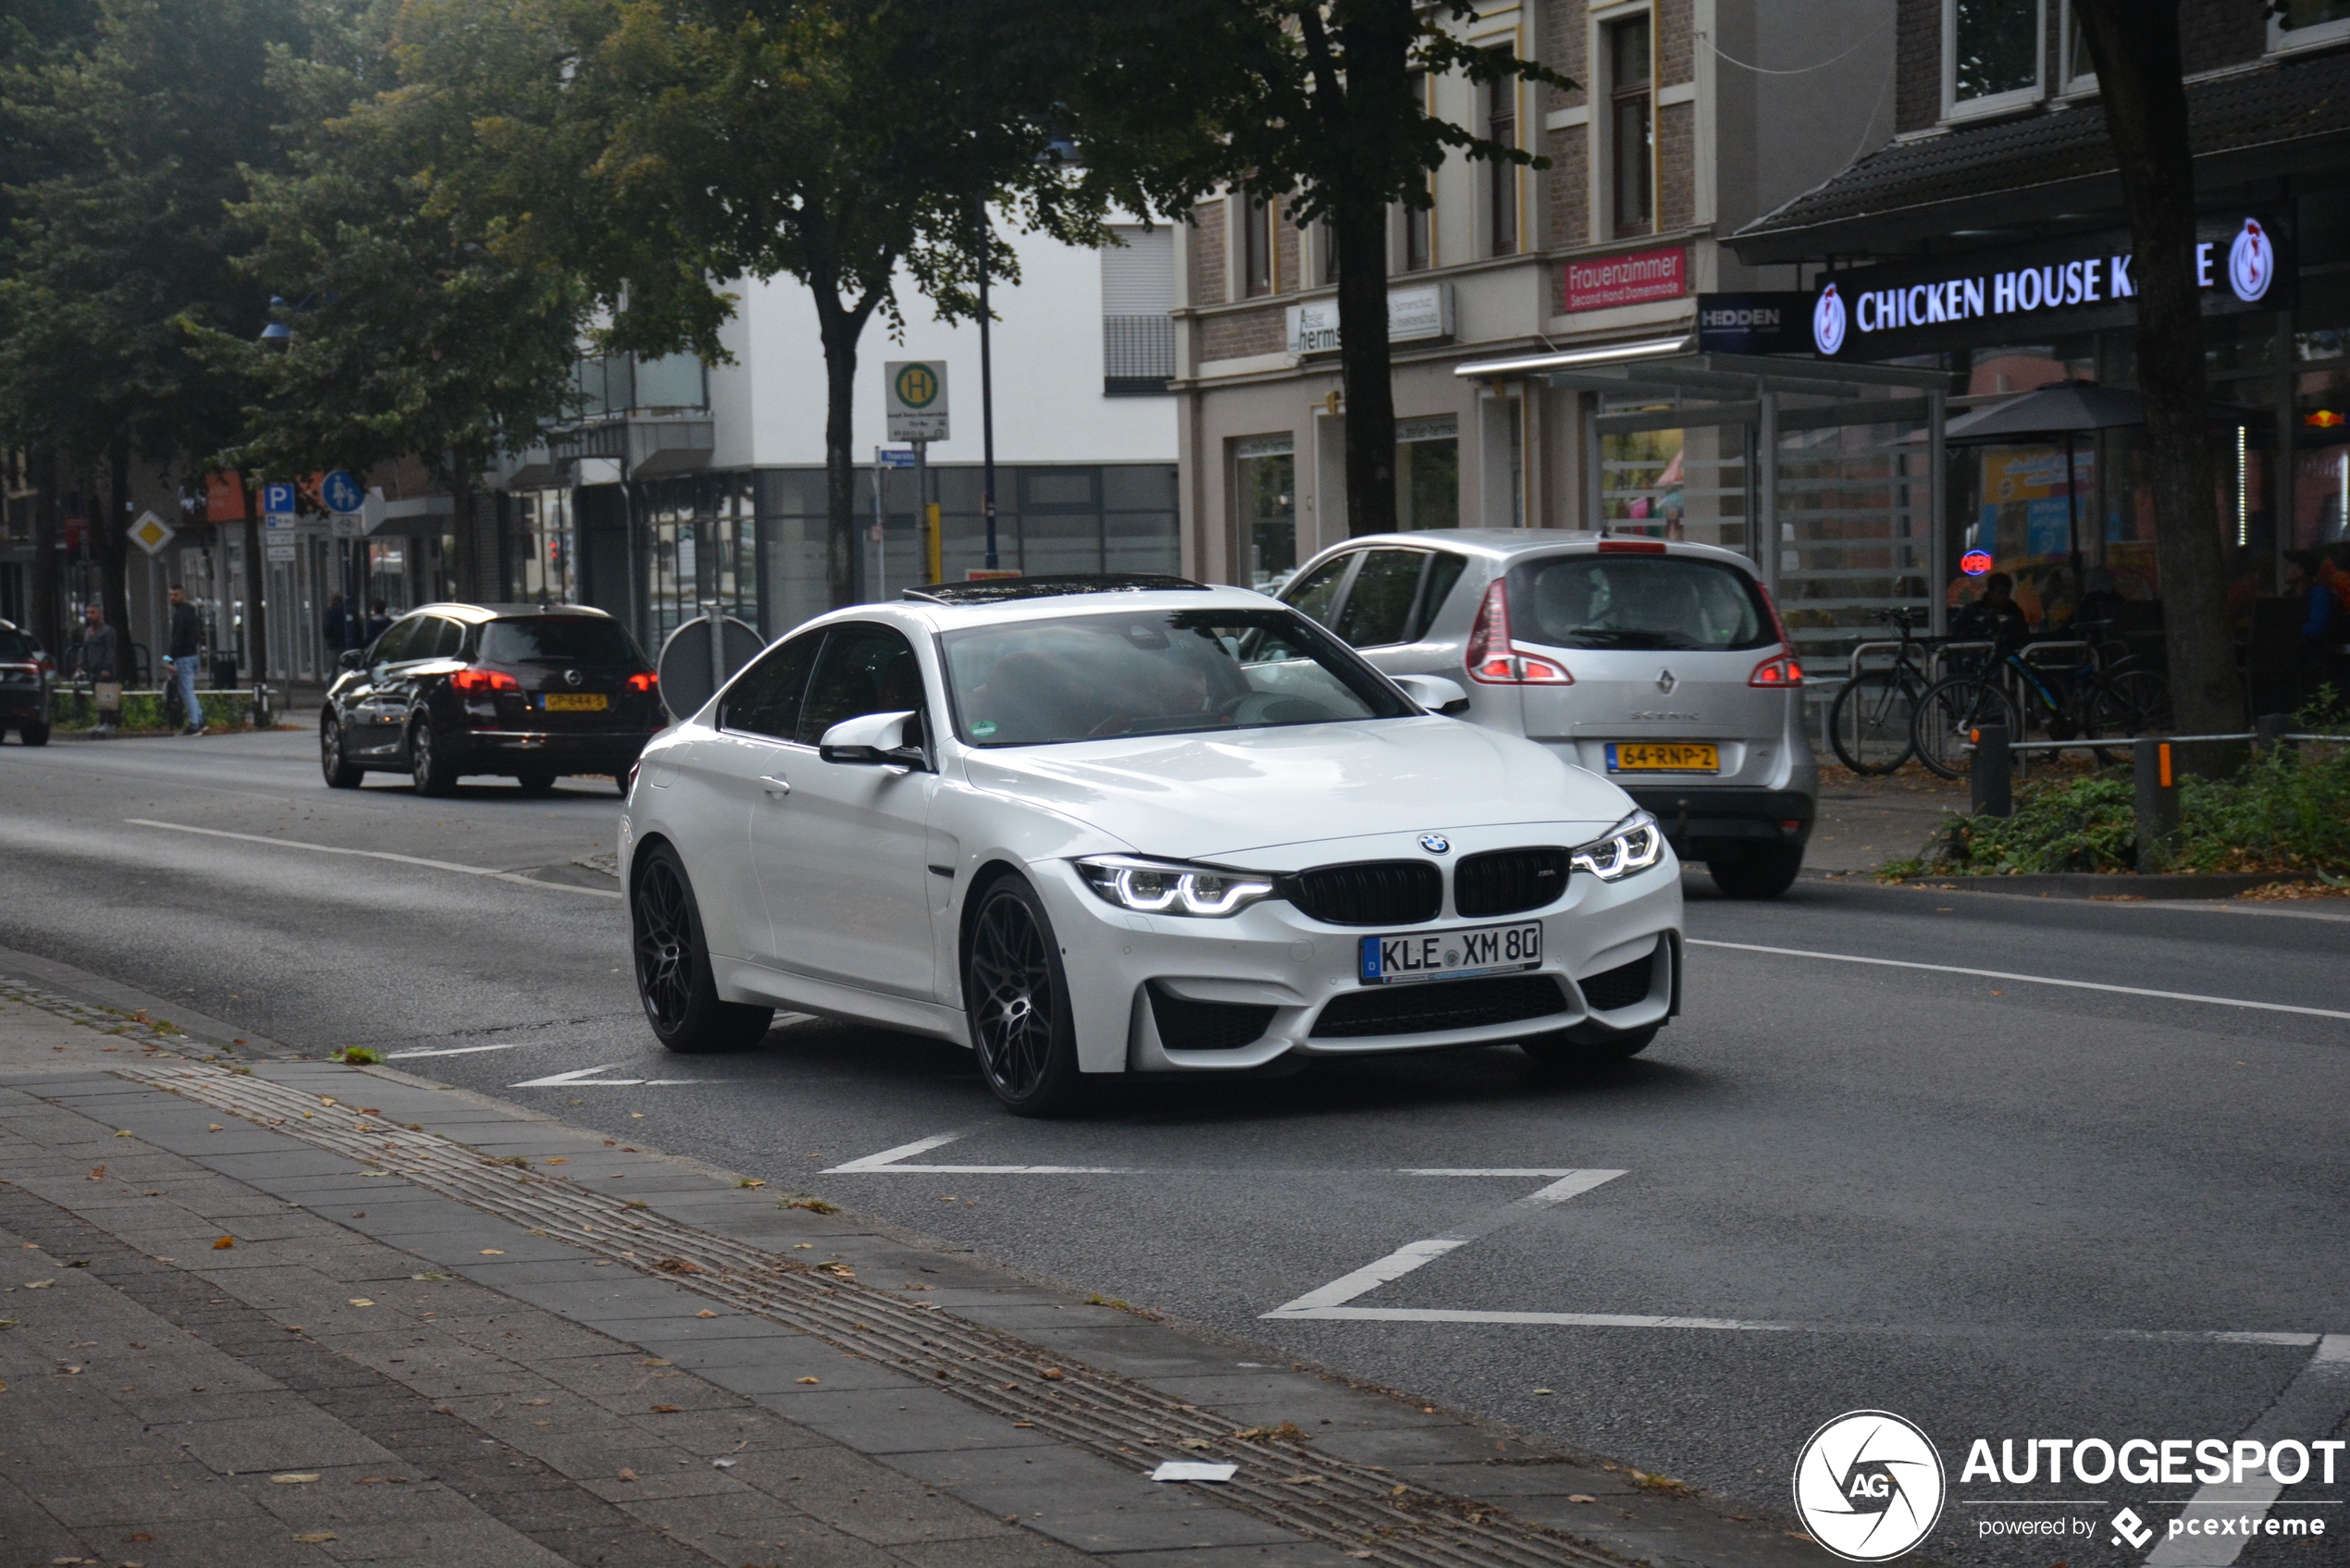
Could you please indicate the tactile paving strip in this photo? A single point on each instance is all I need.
(1358, 1508)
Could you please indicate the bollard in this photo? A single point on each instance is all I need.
(1989, 790)
(2267, 732)
(2158, 798)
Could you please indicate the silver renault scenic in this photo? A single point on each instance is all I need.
(1660, 665)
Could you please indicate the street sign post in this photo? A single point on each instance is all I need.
(915, 399)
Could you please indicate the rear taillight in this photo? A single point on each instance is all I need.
(47, 664)
(1492, 661)
(1780, 670)
(484, 680)
(643, 680)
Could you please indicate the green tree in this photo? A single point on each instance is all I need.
(2142, 80)
(1318, 102)
(128, 236)
(661, 150)
(406, 335)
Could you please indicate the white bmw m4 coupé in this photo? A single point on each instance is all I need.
(1131, 824)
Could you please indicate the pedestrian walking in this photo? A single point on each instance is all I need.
(337, 626)
(377, 623)
(96, 662)
(186, 638)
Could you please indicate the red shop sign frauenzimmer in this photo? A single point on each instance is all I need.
(1630, 277)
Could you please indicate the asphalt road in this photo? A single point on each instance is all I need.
(2001, 1208)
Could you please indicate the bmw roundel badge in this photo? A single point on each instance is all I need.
(1435, 843)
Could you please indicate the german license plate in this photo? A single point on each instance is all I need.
(1663, 756)
(1452, 955)
(576, 702)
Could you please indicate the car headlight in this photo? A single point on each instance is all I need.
(1170, 887)
(1633, 844)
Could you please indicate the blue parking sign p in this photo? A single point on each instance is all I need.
(277, 498)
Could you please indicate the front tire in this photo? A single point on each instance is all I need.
(427, 768)
(33, 734)
(1017, 994)
(1765, 870)
(674, 978)
(337, 769)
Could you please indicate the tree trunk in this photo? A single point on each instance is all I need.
(1360, 224)
(840, 327)
(2135, 46)
(46, 590)
(256, 607)
(110, 544)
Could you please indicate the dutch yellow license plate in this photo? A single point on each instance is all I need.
(576, 702)
(1663, 756)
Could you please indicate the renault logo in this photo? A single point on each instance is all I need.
(1435, 843)
(1665, 681)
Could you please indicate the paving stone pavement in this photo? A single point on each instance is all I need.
(222, 1345)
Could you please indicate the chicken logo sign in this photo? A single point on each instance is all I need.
(1828, 322)
(2252, 262)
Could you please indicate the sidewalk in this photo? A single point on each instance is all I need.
(258, 1312)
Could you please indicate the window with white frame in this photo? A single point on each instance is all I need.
(1631, 126)
(2077, 71)
(1501, 176)
(2298, 24)
(1991, 55)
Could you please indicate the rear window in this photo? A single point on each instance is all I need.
(558, 640)
(1638, 601)
(15, 647)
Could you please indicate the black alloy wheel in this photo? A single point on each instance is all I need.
(674, 977)
(1017, 995)
(338, 768)
(431, 772)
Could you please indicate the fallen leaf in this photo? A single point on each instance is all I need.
(39, 1284)
(751, 1181)
(678, 1265)
(537, 1401)
(812, 1380)
(1300, 1480)
(705, 1313)
(123, 1134)
(1542, 1391)
(1023, 1422)
(97, 1173)
(361, 1300)
(68, 1372)
(667, 1409)
(722, 1464)
(1196, 1444)
(224, 1244)
(1581, 1497)
(1053, 1374)
(294, 1477)
(213, 1128)
(491, 1252)
(627, 1474)
(560, 1159)
(315, 1537)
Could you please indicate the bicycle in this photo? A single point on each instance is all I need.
(2023, 698)
(1870, 721)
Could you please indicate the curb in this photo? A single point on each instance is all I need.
(2106, 884)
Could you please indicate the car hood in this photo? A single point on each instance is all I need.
(1206, 797)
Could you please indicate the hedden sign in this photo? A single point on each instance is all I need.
(1632, 279)
(2242, 263)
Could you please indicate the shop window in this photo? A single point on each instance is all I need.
(1427, 473)
(1265, 508)
(1990, 55)
(1631, 125)
(2298, 24)
(1501, 177)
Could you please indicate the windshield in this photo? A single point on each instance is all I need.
(558, 640)
(1090, 677)
(1638, 601)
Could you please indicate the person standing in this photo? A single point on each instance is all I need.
(96, 662)
(337, 626)
(378, 623)
(187, 638)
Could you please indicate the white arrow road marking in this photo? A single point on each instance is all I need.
(2024, 979)
(887, 1161)
(578, 1076)
(491, 872)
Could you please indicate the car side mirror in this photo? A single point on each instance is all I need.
(1435, 694)
(873, 739)
(352, 659)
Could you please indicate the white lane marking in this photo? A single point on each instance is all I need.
(2025, 979)
(2312, 1403)
(1560, 1319)
(1482, 1171)
(889, 1162)
(466, 1050)
(489, 872)
(1330, 1298)
(586, 1078)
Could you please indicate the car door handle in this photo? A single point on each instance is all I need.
(776, 785)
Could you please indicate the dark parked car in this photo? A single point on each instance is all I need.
(529, 691)
(24, 686)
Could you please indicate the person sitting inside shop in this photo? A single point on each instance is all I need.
(1995, 618)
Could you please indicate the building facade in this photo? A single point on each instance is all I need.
(1689, 120)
